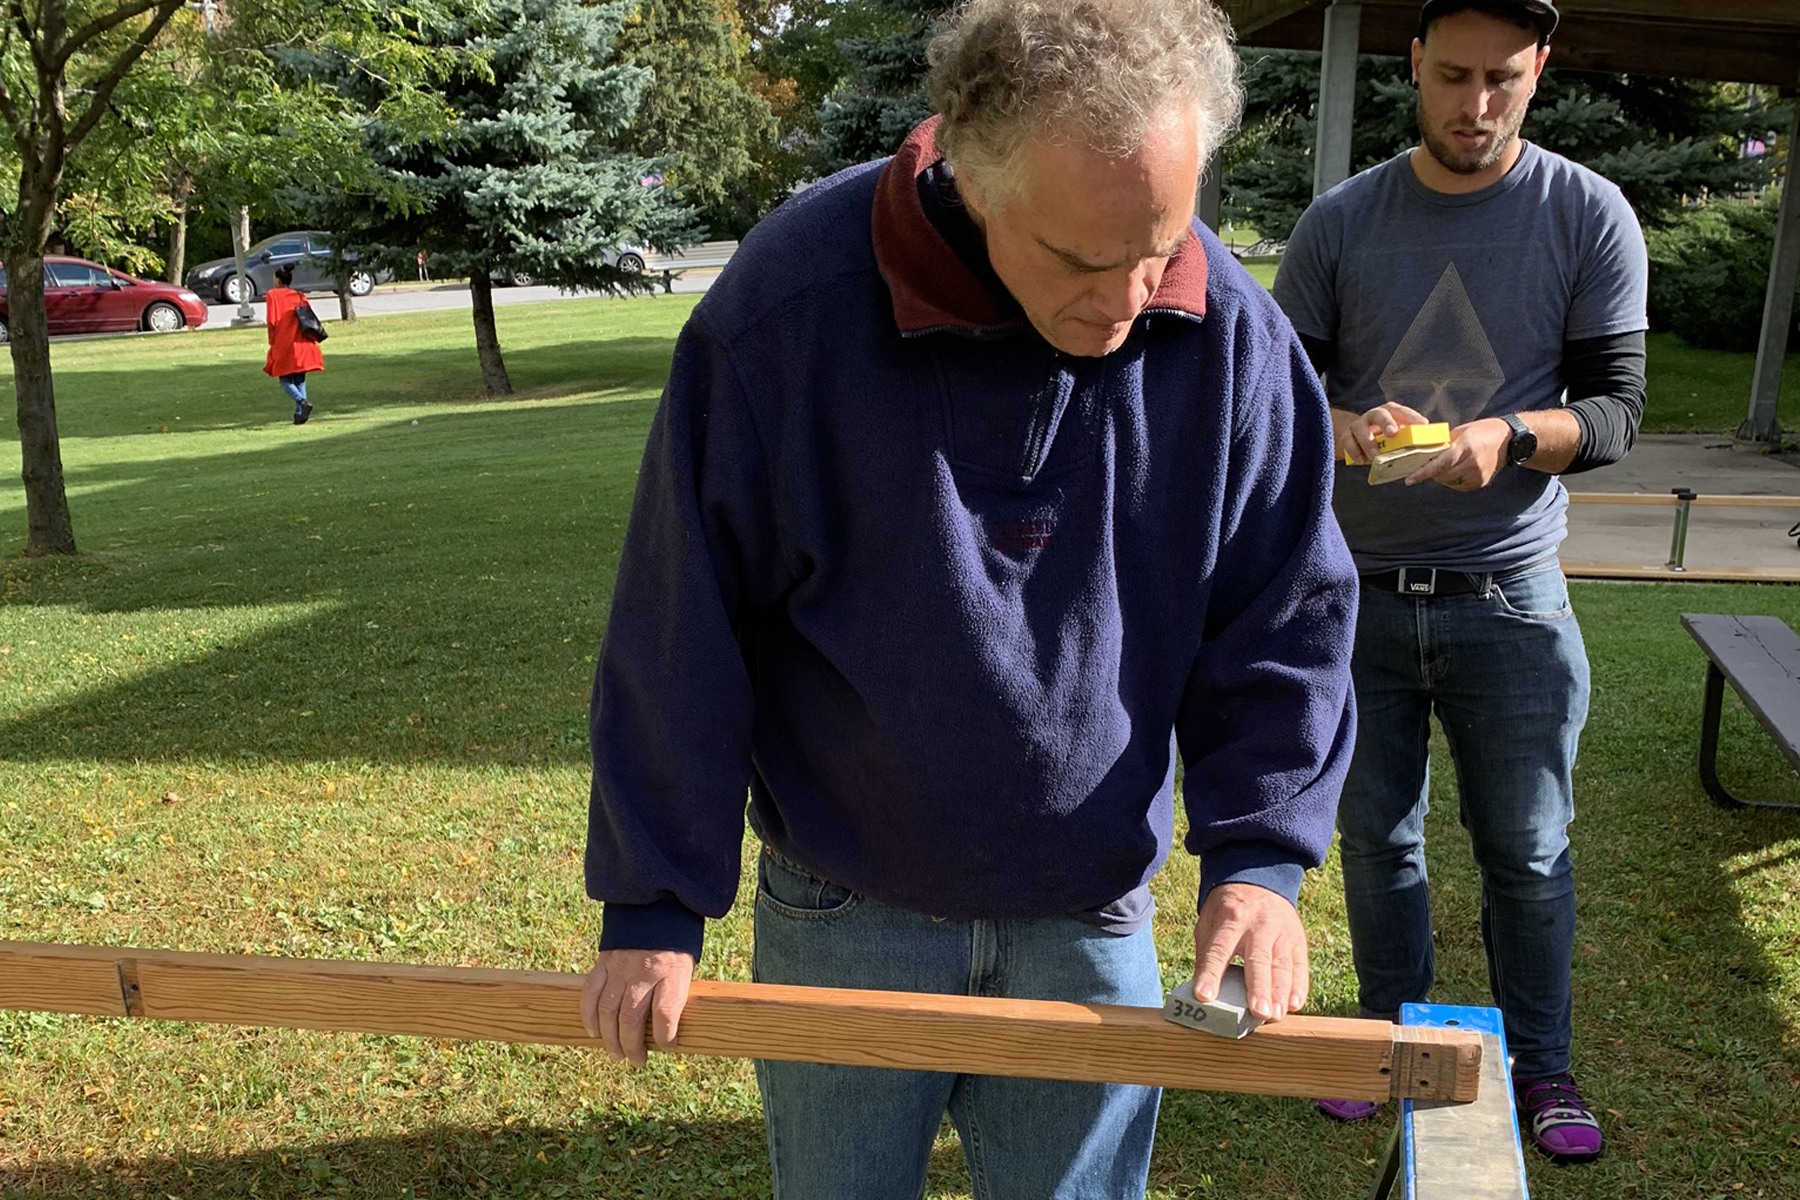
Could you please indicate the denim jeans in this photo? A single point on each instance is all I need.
(295, 386)
(837, 1133)
(1507, 676)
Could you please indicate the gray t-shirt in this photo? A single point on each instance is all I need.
(1459, 306)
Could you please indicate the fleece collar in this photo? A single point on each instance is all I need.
(934, 289)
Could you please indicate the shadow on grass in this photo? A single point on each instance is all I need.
(448, 580)
(605, 1156)
(230, 392)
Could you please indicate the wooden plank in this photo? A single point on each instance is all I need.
(1760, 658)
(1660, 500)
(1299, 1056)
(1649, 498)
(67, 979)
(1464, 1151)
(1577, 569)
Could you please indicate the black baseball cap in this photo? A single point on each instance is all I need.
(1540, 13)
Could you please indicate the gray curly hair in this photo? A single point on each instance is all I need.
(1107, 71)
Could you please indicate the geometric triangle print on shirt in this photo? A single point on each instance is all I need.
(1445, 366)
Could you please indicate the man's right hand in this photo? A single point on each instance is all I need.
(1356, 432)
(625, 989)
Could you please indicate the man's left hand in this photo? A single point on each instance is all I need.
(1242, 920)
(1474, 456)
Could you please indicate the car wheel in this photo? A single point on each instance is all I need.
(234, 289)
(361, 283)
(523, 278)
(162, 317)
(5, 332)
(631, 264)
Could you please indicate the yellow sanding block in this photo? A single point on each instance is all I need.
(1399, 454)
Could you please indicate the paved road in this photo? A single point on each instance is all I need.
(421, 297)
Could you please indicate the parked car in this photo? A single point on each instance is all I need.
(85, 297)
(309, 251)
(629, 260)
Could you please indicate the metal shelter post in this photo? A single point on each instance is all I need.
(1778, 305)
(1206, 204)
(1337, 95)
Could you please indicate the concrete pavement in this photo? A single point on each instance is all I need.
(1726, 541)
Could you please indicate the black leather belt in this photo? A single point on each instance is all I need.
(1427, 581)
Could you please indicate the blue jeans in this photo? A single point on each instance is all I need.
(1507, 675)
(295, 386)
(837, 1133)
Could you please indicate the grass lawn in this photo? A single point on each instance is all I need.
(321, 691)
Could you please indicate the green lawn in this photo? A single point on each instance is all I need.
(321, 691)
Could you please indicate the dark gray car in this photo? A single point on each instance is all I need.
(310, 252)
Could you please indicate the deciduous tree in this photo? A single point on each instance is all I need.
(60, 63)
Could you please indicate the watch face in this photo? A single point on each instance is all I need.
(1524, 442)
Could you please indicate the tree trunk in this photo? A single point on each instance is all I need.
(340, 275)
(49, 528)
(487, 339)
(178, 243)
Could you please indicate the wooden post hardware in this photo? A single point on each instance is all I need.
(1299, 1056)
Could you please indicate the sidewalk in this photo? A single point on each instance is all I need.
(1729, 542)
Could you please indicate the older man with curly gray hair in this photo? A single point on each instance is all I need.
(985, 482)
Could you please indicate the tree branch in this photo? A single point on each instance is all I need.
(71, 43)
(21, 136)
(165, 11)
(15, 19)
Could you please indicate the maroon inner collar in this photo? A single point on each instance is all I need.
(931, 285)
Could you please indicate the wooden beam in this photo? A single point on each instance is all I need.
(1299, 1056)
(1665, 500)
(1702, 48)
(1605, 570)
(1697, 12)
(1249, 15)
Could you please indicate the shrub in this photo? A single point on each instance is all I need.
(1709, 273)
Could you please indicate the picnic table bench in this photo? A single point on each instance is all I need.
(1760, 657)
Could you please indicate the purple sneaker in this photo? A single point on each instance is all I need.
(1557, 1120)
(1349, 1110)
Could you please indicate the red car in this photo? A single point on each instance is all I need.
(84, 297)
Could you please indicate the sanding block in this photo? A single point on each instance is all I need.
(1401, 453)
(1228, 1015)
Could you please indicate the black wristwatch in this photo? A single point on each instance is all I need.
(1524, 442)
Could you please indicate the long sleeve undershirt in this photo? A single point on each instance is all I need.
(1604, 376)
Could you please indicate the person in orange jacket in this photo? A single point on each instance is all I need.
(290, 355)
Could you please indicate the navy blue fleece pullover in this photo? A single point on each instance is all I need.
(945, 602)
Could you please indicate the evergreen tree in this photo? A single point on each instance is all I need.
(701, 111)
(527, 182)
(1661, 140)
(872, 113)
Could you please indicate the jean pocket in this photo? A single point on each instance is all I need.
(791, 891)
(1540, 596)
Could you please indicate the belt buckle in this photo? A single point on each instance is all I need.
(1417, 581)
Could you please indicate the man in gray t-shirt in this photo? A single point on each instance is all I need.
(1486, 283)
